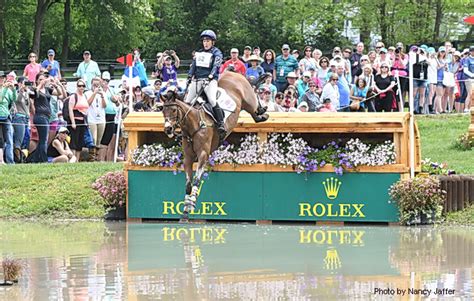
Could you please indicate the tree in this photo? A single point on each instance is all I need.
(42, 7)
(67, 30)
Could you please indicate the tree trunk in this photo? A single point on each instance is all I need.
(67, 30)
(383, 22)
(439, 16)
(3, 36)
(41, 8)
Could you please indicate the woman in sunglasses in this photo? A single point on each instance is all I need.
(323, 70)
(331, 91)
(78, 107)
(384, 84)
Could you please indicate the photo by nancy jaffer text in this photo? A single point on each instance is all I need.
(413, 291)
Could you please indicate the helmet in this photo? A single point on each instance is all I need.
(209, 33)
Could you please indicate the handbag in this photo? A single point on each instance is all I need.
(448, 79)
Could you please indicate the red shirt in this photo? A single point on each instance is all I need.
(239, 66)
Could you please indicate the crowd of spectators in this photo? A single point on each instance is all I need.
(41, 121)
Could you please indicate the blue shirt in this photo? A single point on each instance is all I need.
(469, 63)
(284, 66)
(255, 73)
(203, 68)
(344, 91)
(54, 71)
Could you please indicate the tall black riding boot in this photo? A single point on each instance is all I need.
(219, 114)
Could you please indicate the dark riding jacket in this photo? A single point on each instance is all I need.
(215, 63)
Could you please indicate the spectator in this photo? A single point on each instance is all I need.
(323, 70)
(331, 91)
(157, 87)
(56, 109)
(432, 77)
(246, 56)
(440, 104)
(317, 54)
(96, 98)
(384, 84)
(399, 70)
(284, 64)
(268, 84)
(328, 106)
(107, 143)
(382, 58)
(355, 59)
(343, 87)
(290, 81)
(20, 114)
(156, 68)
(59, 150)
(256, 51)
(290, 100)
(420, 72)
(78, 107)
(336, 52)
(364, 60)
(358, 95)
(346, 54)
(302, 84)
(8, 96)
(234, 62)
(279, 101)
(46, 87)
(372, 57)
(468, 71)
(295, 53)
(137, 93)
(453, 68)
(303, 107)
(307, 61)
(51, 66)
(315, 79)
(312, 98)
(32, 69)
(378, 46)
(138, 65)
(87, 69)
(168, 68)
(265, 99)
(268, 63)
(368, 77)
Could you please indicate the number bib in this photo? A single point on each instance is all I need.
(203, 59)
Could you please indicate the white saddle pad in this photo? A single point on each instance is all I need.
(227, 104)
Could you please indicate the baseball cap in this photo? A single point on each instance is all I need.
(424, 47)
(63, 130)
(248, 47)
(303, 104)
(442, 48)
(265, 90)
(471, 48)
(87, 52)
(364, 57)
(51, 51)
(106, 75)
(383, 49)
(457, 53)
(391, 48)
(336, 57)
(414, 48)
(336, 49)
(306, 74)
(234, 50)
(327, 100)
(431, 50)
(149, 91)
(2, 74)
(159, 54)
(285, 46)
(292, 75)
(256, 47)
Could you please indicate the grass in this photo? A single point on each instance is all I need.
(52, 190)
(438, 134)
(64, 190)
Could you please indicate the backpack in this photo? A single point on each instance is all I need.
(65, 110)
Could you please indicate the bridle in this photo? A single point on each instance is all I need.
(179, 120)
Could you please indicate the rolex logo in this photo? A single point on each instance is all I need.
(332, 260)
(332, 186)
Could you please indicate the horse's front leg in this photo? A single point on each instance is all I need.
(202, 164)
(188, 169)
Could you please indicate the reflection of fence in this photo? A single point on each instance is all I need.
(460, 192)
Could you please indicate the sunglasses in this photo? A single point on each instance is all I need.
(384, 67)
(32, 56)
(378, 47)
(308, 50)
(81, 86)
(312, 86)
(347, 51)
(334, 79)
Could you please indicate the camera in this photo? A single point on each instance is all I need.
(397, 50)
(28, 84)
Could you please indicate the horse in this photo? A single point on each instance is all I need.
(198, 132)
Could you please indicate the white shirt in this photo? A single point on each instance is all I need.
(96, 113)
(331, 92)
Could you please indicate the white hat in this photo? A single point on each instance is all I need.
(292, 74)
(63, 130)
(234, 50)
(332, 63)
(106, 75)
(306, 74)
(337, 57)
(457, 53)
(303, 104)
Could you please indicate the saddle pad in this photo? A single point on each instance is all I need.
(225, 102)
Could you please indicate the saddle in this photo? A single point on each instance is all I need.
(227, 104)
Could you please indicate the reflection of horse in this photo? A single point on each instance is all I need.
(200, 136)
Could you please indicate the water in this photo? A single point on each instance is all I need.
(119, 261)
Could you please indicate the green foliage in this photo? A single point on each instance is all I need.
(464, 217)
(464, 142)
(52, 190)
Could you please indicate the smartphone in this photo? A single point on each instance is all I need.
(28, 84)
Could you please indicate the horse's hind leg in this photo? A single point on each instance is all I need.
(188, 202)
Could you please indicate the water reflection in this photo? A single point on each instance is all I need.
(93, 260)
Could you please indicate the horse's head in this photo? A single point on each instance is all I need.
(171, 111)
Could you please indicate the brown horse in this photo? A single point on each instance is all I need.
(200, 136)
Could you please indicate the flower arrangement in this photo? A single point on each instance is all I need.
(464, 142)
(280, 149)
(435, 168)
(419, 199)
(112, 188)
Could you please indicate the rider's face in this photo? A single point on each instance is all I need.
(207, 43)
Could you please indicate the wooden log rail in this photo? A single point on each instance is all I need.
(395, 125)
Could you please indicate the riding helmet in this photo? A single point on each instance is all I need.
(209, 34)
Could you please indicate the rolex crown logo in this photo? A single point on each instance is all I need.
(332, 260)
(332, 186)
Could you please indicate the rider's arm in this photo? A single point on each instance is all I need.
(217, 63)
(192, 69)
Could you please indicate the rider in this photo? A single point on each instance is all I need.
(205, 68)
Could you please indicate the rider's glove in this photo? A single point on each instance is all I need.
(211, 77)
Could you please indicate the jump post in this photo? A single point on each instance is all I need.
(265, 193)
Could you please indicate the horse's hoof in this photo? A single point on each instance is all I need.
(261, 118)
(184, 220)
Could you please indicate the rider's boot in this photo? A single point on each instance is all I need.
(219, 114)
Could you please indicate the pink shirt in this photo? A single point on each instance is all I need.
(327, 109)
(31, 71)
